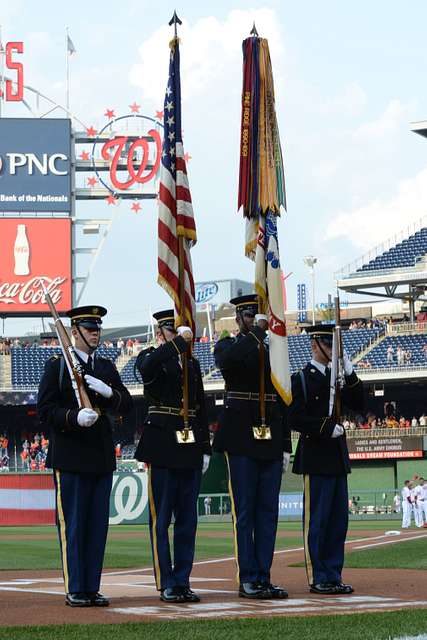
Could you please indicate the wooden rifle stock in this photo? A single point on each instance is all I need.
(73, 364)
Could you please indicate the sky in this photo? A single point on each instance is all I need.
(349, 80)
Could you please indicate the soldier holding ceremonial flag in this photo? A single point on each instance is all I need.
(253, 432)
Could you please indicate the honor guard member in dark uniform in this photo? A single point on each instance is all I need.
(175, 457)
(82, 456)
(322, 457)
(255, 458)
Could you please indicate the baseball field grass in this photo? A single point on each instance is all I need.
(366, 626)
(128, 547)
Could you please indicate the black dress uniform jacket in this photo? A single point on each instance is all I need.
(73, 448)
(317, 452)
(162, 375)
(238, 359)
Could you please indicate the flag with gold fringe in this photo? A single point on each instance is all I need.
(176, 218)
(262, 196)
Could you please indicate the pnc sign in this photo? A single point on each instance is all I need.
(30, 162)
(35, 165)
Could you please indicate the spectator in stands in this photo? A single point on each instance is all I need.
(425, 351)
(4, 443)
(407, 356)
(118, 449)
(414, 422)
(25, 460)
(129, 347)
(423, 420)
(390, 354)
(400, 356)
(121, 346)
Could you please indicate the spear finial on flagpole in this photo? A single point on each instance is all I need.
(253, 31)
(175, 20)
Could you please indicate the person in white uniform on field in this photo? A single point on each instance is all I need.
(421, 492)
(397, 503)
(407, 504)
(417, 493)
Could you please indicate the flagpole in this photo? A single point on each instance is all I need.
(67, 54)
(181, 273)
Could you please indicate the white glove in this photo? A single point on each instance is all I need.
(100, 387)
(286, 460)
(185, 332)
(87, 417)
(338, 431)
(348, 367)
(206, 461)
(261, 316)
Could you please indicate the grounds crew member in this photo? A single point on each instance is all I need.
(81, 454)
(255, 464)
(175, 458)
(322, 457)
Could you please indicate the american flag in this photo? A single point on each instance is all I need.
(175, 208)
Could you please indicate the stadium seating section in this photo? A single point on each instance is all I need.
(28, 364)
(299, 353)
(377, 357)
(404, 254)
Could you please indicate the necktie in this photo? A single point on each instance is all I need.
(89, 365)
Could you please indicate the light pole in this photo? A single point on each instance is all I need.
(310, 261)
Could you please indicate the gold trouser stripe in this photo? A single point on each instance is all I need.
(233, 513)
(153, 531)
(62, 529)
(308, 565)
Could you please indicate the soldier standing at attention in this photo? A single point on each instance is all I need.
(81, 454)
(322, 457)
(255, 458)
(176, 458)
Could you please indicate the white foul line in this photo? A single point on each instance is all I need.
(376, 544)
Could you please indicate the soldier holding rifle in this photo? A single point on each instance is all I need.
(257, 448)
(322, 455)
(176, 452)
(78, 392)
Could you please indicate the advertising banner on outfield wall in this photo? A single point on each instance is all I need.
(290, 504)
(35, 164)
(30, 499)
(34, 250)
(392, 447)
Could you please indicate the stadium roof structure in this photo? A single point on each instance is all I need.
(395, 269)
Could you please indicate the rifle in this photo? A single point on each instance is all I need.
(337, 369)
(73, 363)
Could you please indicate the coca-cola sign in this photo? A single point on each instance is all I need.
(34, 252)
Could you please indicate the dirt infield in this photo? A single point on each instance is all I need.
(35, 597)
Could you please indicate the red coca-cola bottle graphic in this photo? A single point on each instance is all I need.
(22, 252)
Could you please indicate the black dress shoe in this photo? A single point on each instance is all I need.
(324, 588)
(172, 594)
(77, 600)
(343, 588)
(251, 590)
(97, 599)
(188, 594)
(272, 591)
